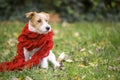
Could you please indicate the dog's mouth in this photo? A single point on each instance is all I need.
(43, 32)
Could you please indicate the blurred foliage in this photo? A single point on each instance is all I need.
(69, 10)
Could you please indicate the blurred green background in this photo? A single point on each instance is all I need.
(88, 33)
(69, 10)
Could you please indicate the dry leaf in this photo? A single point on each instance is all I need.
(90, 52)
(14, 78)
(77, 77)
(15, 34)
(41, 71)
(84, 76)
(69, 60)
(12, 41)
(76, 34)
(83, 49)
(28, 78)
(81, 65)
(92, 64)
(112, 68)
(6, 52)
(108, 76)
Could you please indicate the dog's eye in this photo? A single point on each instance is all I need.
(39, 21)
(46, 20)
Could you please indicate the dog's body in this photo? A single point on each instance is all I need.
(38, 23)
(44, 63)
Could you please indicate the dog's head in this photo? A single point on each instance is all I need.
(39, 22)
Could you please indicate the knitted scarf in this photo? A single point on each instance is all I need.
(29, 40)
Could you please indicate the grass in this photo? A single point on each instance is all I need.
(93, 47)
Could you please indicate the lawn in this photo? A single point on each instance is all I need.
(92, 50)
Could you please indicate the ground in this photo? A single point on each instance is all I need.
(92, 49)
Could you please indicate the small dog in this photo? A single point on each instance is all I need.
(38, 23)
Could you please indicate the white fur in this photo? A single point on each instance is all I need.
(31, 28)
(45, 24)
(29, 54)
(44, 62)
(43, 27)
(51, 57)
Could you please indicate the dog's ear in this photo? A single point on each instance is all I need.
(30, 14)
(46, 14)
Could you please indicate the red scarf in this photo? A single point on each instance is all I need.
(29, 40)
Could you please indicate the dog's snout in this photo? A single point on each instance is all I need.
(47, 28)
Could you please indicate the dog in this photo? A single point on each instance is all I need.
(38, 23)
(34, 45)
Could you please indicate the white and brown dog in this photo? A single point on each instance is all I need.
(38, 22)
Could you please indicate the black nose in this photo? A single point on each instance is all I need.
(47, 28)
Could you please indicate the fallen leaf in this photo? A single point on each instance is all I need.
(6, 52)
(41, 71)
(118, 59)
(90, 52)
(15, 34)
(81, 65)
(12, 41)
(92, 64)
(84, 76)
(77, 77)
(14, 78)
(83, 49)
(94, 44)
(112, 68)
(108, 76)
(76, 34)
(69, 60)
(77, 60)
(28, 78)
(45, 77)
(56, 75)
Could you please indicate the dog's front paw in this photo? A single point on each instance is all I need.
(57, 65)
(44, 67)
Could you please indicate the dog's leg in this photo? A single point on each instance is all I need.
(44, 63)
(52, 58)
(26, 54)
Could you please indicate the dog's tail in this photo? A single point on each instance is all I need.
(61, 57)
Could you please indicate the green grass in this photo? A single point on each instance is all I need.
(93, 47)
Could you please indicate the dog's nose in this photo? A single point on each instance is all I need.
(47, 28)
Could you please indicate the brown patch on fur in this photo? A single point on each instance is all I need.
(30, 14)
(46, 14)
